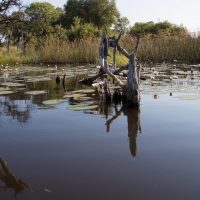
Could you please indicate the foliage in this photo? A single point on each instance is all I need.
(100, 13)
(13, 57)
(79, 30)
(56, 51)
(121, 60)
(122, 24)
(7, 21)
(40, 17)
(160, 48)
(156, 28)
(5, 7)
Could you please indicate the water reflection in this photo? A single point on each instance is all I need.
(10, 180)
(133, 119)
(18, 107)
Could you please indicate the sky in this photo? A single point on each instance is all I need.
(179, 12)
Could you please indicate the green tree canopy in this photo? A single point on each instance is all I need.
(156, 28)
(40, 16)
(5, 8)
(79, 31)
(99, 13)
(122, 23)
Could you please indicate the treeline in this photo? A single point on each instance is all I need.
(42, 33)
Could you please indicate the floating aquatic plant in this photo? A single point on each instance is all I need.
(36, 92)
(6, 92)
(85, 91)
(53, 101)
(188, 97)
(74, 95)
(82, 107)
(4, 89)
(10, 84)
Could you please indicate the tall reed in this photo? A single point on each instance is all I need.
(57, 51)
(183, 48)
(13, 57)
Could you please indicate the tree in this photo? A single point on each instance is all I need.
(156, 28)
(100, 13)
(122, 24)
(41, 17)
(79, 31)
(5, 7)
(7, 20)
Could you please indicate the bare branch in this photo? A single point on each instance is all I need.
(123, 51)
(136, 47)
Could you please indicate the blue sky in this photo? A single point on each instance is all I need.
(185, 12)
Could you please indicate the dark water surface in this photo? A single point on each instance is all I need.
(99, 155)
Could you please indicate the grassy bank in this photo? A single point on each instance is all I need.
(14, 56)
(160, 48)
(184, 48)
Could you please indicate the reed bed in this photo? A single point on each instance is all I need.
(13, 57)
(57, 51)
(160, 48)
(183, 48)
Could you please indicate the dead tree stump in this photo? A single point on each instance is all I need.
(130, 91)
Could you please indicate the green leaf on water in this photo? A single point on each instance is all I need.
(6, 92)
(188, 97)
(53, 101)
(36, 92)
(82, 107)
(85, 91)
(74, 95)
(4, 89)
(10, 84)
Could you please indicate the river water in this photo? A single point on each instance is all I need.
(110, 153)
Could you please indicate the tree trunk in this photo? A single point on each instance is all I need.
(8, 43)
(133, 93)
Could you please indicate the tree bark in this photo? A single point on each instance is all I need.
(130, 91)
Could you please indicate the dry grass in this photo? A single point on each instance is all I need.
(56, 51)
(14, 56)
(183, 48)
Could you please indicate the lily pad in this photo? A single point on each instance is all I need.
(53, 101)
(4, 89)
(6, 92)
(85, 91)
(74, 95)
(82, 107)
(188, 97)
(10, 84)
(38, 79)
(36, 92)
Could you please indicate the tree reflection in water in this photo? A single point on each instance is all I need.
(18, 106)
(133, 119)
(18, 109)
(10, 180)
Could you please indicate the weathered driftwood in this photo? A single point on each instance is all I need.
(89, 81)
(130, 91)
